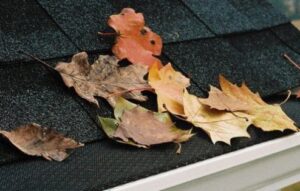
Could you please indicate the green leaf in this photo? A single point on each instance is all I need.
(122, 105)
(109, 125)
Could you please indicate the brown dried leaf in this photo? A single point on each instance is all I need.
(32, 139)
(137, 126)
(145, 129)
(105, 78)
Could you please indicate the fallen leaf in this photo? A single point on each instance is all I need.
(219, 125)
(34, 140)
(105, 78)
(296, 23)
(234, 98)
(169, 86)
(135, 42)
(140, 127)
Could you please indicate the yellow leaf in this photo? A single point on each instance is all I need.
(169, 86)
(296, 23)
(234, 98)
(219, 125)
(271, 118)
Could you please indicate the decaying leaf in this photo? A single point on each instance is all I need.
(105, 78)
(233, 98)
(140, 127)
(169, 86)
(32, 139)
(219, 125)
(135, 42)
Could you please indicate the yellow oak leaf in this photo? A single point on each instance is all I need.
(169, 86)
(234, 98)
(219, 125)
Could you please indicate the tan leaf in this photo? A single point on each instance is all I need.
(219, 125)
(233, 98)
(140, 127)
(32, 139)
(105, 78)
(169, 86)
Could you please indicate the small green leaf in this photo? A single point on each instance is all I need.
(109, 126)
(122, 105)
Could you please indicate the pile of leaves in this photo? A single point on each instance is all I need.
(225, 114)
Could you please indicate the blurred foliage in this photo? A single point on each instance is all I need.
(293, 187)
(291, 8)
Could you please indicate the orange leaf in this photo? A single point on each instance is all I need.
(135, 42)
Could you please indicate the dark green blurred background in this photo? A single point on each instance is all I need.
(291, 8)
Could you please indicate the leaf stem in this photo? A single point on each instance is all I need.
(202, 122)
(130, 90)
(178, 151)
(107, 34)
(37, 59)
(291, 61)
(287, 98)
(208, 122)
(61, 72)
(228, 109)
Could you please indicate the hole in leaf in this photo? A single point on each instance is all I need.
(152, 42)
(143, 31)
